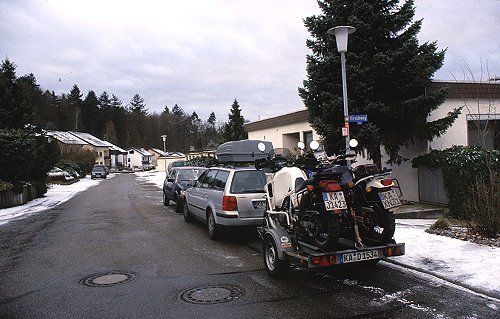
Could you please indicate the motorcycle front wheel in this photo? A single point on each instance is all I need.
(326, 233)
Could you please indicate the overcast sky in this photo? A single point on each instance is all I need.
(203, 54)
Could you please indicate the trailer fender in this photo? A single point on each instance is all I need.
(282, 240)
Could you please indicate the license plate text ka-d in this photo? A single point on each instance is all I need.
(334, 200)
(359, 256)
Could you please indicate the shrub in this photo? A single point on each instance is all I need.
(77, 159)
(442, 223)
(204, 161)
(461, 166)
(5, 186)
(483, 208)
(27, 156)
(471, 178)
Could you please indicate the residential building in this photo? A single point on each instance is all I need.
(68, 142)
(139, 159)
(102, 148)
(162, 159)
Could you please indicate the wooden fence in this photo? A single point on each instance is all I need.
(11, 198)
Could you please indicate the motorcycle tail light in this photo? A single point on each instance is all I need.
(229, 203)
(386, 182)
(330, 186)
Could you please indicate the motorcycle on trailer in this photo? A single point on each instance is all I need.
(308, 202)
(311, 215)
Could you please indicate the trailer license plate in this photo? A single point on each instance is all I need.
(359, 256)
(389, 199)
(334, 200)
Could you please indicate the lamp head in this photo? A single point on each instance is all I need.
(341, 34)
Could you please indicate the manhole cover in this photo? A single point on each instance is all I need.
(212, 294)
(107, 279)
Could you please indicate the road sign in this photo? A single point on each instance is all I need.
(358, 118)
(345, 131)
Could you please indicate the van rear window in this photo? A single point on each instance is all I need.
(245, 182)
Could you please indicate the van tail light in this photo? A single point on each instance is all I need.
(386, 182)
(229, 203)
(330, 186)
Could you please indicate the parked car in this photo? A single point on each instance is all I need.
(225, 196)
(99, 171)
(57, 174)
(178, 179)
(179, 163)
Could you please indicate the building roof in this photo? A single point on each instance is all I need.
(92, 140)
(116, 148)
(158, 151)
(66, 137)
(141, 151)
(468, 90)
(290, 118)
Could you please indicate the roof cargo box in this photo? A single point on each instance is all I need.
(242, 151)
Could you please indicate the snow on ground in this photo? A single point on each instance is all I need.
(460, 262)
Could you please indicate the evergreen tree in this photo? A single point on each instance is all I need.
(387, 73)
(15, 110)
(211, 119)
(233, 129)
(137, 105)
(74, 100)
(136, 121)
(104, 101)
(91, 116)
(118, 115)
(177, 110)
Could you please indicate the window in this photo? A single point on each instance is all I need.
(210, 179)
(248, 182)
(201, 179)
(484, 130)
(308, 138)
(220, 180)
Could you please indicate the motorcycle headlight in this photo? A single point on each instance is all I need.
(181, 192)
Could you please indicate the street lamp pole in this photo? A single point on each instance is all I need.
(164, 138)
(341, 34)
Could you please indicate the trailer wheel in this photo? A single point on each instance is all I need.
(275, 267)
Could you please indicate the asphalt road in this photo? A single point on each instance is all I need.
(114, 251)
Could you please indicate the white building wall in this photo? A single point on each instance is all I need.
(457, 134)
(276, 134)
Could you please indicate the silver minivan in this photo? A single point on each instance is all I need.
(226, 196)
